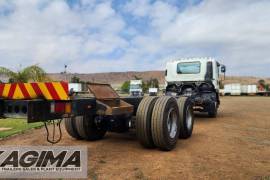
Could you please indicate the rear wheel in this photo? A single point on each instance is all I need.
(143, 121)
(70, 125)
(186, 117)
(88, 129)
(165, 123)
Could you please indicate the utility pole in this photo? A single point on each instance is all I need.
(65, 72)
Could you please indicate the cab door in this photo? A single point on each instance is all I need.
(212, 73)
(215, 79)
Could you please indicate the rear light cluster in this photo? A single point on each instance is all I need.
(61, 107)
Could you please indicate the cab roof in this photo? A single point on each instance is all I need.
(191, 59)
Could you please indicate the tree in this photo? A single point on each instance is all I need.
(262, 85)
(261, 82)
(221, 85)
(137, 78)
(125, 86)
(75, 79)
(144, 86)
(267, 87)
(153, 82)
(31, 73)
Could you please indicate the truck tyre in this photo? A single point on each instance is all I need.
(165, 123)
(70, 125)
(186, 115)
(143, 121)
(213, 110)
(88, 129)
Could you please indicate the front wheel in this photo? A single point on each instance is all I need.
(213, 110)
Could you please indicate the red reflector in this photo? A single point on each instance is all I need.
(59, 107)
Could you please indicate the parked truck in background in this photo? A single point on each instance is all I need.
(153, 91)
(237, 89)
(244, 89)
(135, 88)
(250, 89)
(75, 87)
(234, 89)
(197, 78)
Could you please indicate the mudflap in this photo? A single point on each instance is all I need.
(39, 111)
(1, 108)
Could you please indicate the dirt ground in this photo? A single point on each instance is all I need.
(235, 145)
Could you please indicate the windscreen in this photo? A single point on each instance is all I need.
(188, 68)
(135, 86)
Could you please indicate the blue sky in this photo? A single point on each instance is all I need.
(134, 35)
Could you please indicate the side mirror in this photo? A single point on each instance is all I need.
(223, 69)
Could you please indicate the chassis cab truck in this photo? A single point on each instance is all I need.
(158, 121)
(197, 78)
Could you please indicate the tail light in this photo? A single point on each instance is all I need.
(61, 107)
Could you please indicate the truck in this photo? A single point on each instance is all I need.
(135, 88)
(244, 89)
(159, 121)
(197, 78)
(234, 89)
(153, 91)
(250, 89)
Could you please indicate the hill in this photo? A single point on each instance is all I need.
(114, 78)
(117, 78)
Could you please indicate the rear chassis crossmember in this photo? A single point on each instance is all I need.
(105, 102)
(157, 122)
(39, 110)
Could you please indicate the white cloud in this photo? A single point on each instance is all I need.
(236, 32)
(247, 23)
(138, 7)
(87, 36)
(52, 34)
(239, 33)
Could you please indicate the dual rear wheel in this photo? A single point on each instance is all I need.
(84, 127)
(161, 121)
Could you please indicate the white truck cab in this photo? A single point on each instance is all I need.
(135, 88)
(193, 69)
(196, 77)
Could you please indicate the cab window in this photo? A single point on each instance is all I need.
(188, 68)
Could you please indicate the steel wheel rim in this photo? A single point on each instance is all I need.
(189, 118)
(172, 123)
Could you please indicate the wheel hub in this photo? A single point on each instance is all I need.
(189, 118)
(172, 123)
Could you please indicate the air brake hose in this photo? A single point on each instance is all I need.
(52, 141)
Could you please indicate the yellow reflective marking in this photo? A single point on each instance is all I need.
(18, 93)
(45, 91)
(60, 91)
(30, 90)
(6, 90)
